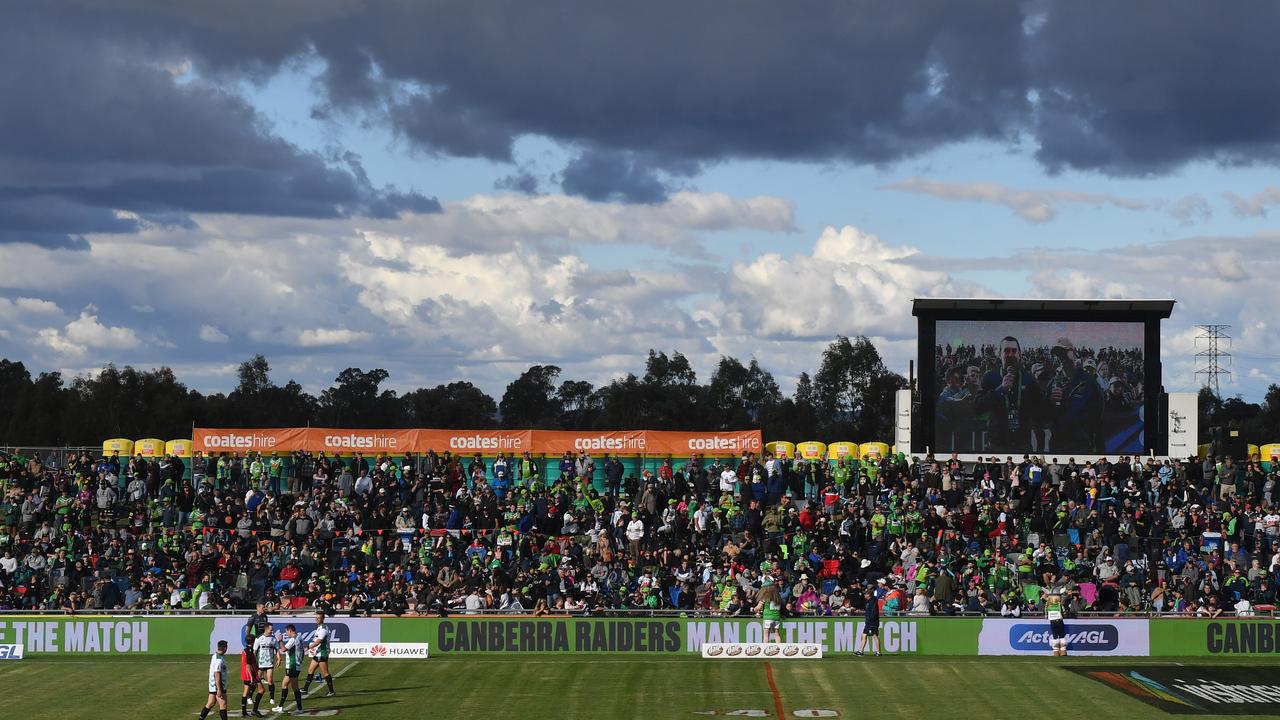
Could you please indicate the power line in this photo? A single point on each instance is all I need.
(1211, 357)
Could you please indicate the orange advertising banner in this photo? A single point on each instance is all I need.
(668, 442)
(243, 440)
(485, 442)
(345, 441)
(596, 442)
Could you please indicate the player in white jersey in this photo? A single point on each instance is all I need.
(291, 648)
(217, 683)
(265, 649)
(319, 650)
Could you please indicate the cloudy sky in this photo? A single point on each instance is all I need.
(453, 190)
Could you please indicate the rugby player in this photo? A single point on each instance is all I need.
(291, 651)
(265, 649)
(217, 683)
(319, 651)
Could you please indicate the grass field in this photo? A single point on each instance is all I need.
(582, 688)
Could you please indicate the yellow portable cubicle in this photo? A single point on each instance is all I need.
(781, 449)
(1268, 451)
(123, 446)
(811, 450)
(874, 450)
(148, 447)
(178, 448)
(847, 451)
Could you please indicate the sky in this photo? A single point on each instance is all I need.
(457, 191)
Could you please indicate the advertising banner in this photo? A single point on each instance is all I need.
(1195, 690)
(373, 442)
(1216, 638)
(11, 652)
(1085, 636)
(616, 442)
(469, 442)
(925, 636)
(106, 635)
(341, 629)
(662, 442)
(243, 440)
(762, 651)
(379, 651)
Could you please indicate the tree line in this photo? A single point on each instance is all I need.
(849, 397)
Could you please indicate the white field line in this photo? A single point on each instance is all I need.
(317, 689)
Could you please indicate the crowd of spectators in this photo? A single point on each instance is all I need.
(438, 534)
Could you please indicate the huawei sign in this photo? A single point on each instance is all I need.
(379, 651)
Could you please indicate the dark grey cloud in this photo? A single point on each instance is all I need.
(864, 81)
(1124, 88)
(1136, 88)
(614, 175)
(96, 124)
(523, 181)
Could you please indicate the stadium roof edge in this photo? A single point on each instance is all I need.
(1163, 307)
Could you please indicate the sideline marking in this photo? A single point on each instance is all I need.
(773, 687)
(324, 712)
(336, 675)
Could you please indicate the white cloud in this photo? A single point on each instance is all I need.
(1190, 209)
(58, 343)
(1228, 265)
(1256, 205)
(212, 334)
(1222, 280)
(1036, 206)
(853, 282)
(319, 337)
(500, 220)
(509, 281)
(1077, 284)
(36, 305)
(86, 332)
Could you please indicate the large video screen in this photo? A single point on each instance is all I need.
(1056, 388)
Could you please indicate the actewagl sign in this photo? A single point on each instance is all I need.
(1008, 636)
(11, 652)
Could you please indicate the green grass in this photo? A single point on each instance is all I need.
(587, 688)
